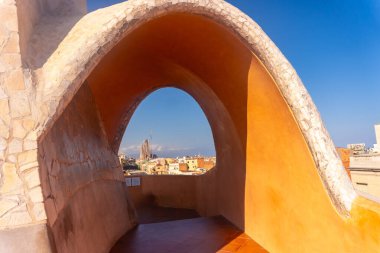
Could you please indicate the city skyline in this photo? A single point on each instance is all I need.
(335, 48)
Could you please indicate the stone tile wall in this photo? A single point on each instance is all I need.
(21, 200)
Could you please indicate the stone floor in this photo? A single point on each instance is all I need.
(197, 235)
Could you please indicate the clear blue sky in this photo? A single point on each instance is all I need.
(334, 45)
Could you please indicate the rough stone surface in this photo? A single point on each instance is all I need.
(19, 105)
(12, 182)
(15, 146)
(17, 123)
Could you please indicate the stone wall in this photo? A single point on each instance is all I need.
(21, 201)
(20, 193)
(84, 190)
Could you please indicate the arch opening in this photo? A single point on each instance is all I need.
(168, 136)
(174, 126)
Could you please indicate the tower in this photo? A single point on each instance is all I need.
(145, 153)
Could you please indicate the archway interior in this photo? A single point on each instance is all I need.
(173, 123)
(170, 50)
(262, 156)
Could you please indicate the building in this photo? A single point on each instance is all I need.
(160, 169)
(357, 148)
(145, 151)
(183, 167)
(174, 168)
(206, 163)
(376, 147)
(192, 164)
(365, 169)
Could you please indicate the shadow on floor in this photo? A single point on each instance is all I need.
(198, 235)
(153, 214)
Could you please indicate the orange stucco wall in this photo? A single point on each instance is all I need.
(278, 198)
(166, 191)
(287, 207)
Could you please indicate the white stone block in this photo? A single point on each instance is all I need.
(15, 146)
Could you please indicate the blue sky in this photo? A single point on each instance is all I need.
(334, 46)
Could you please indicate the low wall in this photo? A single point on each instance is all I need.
(177, 191)
(166, 191)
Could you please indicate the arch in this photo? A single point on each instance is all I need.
(167, 93)
(114, 23)
(246, 110)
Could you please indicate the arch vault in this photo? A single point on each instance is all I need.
(65, 106)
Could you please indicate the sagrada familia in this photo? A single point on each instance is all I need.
(145, 151)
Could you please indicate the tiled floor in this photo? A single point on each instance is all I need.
(198, 235)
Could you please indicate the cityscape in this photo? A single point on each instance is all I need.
(149, 164)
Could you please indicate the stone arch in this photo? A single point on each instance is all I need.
(114, 23)
(248, 110)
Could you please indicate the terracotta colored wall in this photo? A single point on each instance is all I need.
(84, 191)
(166, 191)
(190, 192)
